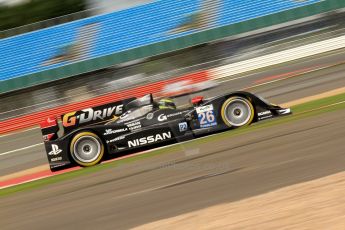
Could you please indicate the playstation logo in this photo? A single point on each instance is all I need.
(55, 150)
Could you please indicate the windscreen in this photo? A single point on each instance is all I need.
(145, 100)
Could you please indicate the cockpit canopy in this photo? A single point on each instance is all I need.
(142, 101)
(138, 108)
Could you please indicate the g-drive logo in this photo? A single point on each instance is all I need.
(55, 150)
(87, 115)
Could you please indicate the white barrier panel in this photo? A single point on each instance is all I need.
(278, 58)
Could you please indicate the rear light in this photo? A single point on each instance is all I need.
(48, 137)
(49, 129)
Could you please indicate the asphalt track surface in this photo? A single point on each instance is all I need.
(189, 179)
(24, 150)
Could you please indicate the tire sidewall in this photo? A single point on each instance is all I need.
(74, 140)
(230, 100)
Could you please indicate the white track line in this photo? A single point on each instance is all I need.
(27, 181)
(287, 77)
(20, 131)
(17, 150)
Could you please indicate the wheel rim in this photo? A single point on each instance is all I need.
(87, 149)
(238, 112)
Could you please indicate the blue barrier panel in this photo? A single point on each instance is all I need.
(103, 35)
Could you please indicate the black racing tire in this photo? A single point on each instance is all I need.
(87, 149)
(237, 112)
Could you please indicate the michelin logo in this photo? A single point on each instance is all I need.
(149, 139)
(55, 150)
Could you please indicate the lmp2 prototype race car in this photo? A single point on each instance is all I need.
(134, 123)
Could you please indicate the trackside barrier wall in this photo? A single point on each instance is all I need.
(215, 73)
(176, 41)
(278, 58)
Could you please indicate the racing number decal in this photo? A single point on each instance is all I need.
(206, 117)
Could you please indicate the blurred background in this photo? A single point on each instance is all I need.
(60, 56)
(57, 53)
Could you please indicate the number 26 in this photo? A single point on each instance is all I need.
(206, 117)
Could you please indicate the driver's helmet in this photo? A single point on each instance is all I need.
(166, 103)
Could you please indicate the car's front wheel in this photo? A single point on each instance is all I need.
(86, 149)
(237, 111)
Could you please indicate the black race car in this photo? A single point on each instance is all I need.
(136, 123)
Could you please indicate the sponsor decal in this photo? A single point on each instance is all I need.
(206, 116)
(55, 150)
(265, 117)
(88, 115)
(164, 117)
(116, 139)
(134, 125)
(204, 109)
(114, 131)
(56, 159)
(175, 114)
(183, 126)
(284, 111)
(265, 113)
(149, 116)
(149, 139)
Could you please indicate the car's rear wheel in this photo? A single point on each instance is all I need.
(237, 111)
(86, 149)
